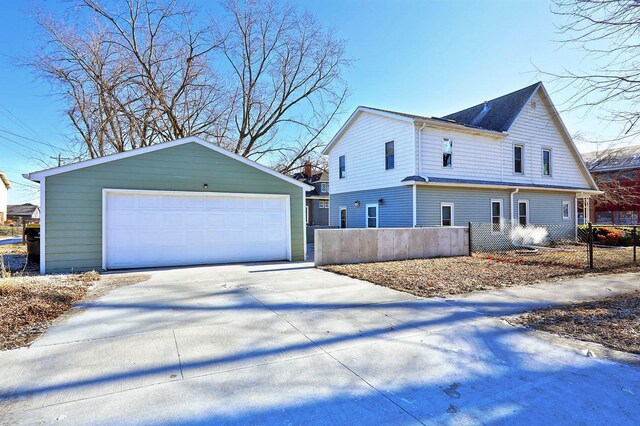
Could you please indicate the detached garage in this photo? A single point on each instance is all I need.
(185, 202)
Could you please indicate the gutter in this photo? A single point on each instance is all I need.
(511, 216)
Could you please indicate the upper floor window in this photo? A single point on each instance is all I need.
(546, 162)
(323, 204)
(447, 153)
(518, 163)
(323, 187)
(343, 167)
(389, 156)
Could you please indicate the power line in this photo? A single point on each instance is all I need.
(29, 139)
(20, 122)
(21, 144)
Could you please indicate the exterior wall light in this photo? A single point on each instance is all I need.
(205, 186)
(357, 203)
(381, 201)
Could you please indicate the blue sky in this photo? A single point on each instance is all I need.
(423, 57)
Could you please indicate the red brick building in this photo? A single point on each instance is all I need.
(617, 172)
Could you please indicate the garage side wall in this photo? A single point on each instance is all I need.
(73, 201)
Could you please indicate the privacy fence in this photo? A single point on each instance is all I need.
(587, 247)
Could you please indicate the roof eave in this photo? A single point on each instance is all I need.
(430, 122)
(485, 185)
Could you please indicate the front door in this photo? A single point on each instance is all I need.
(343, 217)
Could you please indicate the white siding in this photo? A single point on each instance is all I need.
(483, 158)
(537, 129)
(362, 144)
(474, 157)
(3, 202)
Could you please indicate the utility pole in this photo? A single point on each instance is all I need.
(60, 158)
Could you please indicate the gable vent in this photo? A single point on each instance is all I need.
(534, 104)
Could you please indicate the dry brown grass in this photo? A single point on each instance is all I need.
(29, 304)
(613, 322)
(457, 275)
(19, 248)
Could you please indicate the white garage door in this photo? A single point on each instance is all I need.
(152, 228)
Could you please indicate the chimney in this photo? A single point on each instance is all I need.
(307, 168)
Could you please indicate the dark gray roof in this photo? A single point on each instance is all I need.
(488, 182)
(497, 114)
(21, 209)
(613, 159)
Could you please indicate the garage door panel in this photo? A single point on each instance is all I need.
(145, 229)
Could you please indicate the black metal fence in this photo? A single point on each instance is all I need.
(561, 245)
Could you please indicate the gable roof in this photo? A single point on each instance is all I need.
(22, 209)
(613, 159)
(497, 114)
(5, 180)
(37, 176)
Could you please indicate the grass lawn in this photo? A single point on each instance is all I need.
(457, 275)
(29, 304)
(613, 322)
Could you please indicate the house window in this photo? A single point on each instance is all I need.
(324, 204)
(389, 156)
(343, 217)
(546, 162)
(372, 215)
(629, 217)
(306, 214)
(523, 212)
(604, 218)
(447, 153)
(496, 215)
(566, 210)
(517, 159)
(343, 167)
(446, 214)
(323, 187)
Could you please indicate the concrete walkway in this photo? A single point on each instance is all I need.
(287, 343)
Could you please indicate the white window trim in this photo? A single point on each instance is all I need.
(518, 212)
(306, 214)
(340, 174)
(442, 166)
(366, 215)
(452, 213)
(568, 204)
(546, 148)
(522, 161)
(346, 217)
(501, 202)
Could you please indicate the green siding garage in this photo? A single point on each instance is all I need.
(176, 203)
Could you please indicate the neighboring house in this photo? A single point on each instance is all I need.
(184, 202)
(5, 186)
(23, 213)
(510, 159)
(317, 208)
(622, 167)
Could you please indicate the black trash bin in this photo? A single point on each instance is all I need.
(32, 237)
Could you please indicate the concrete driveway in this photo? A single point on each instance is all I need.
(286, 343)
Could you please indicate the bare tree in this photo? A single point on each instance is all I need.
(616, 171)
(264, 81)
(608, 32)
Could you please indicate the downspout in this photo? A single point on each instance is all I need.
(419, 173)
(513, 222)
(420, 149)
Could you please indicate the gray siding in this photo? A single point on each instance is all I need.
(474, 205)
(396, 212)
(319, 216)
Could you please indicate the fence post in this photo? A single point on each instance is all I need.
(470, 249)
(634, 234)
(590, 246)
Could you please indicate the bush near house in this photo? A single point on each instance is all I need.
(612, 236)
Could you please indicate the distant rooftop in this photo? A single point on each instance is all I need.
(613, 159)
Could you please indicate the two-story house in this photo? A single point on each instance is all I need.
(317, 207)
(4, 187)
(507, 160)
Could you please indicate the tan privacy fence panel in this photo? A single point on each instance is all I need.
(336, 246)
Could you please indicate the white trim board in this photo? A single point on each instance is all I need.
(287, 197)
(37, 176)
